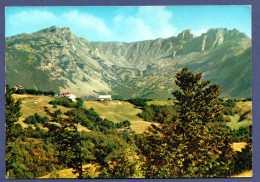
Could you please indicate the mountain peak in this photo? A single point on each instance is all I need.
(186, 34)
(54, 29)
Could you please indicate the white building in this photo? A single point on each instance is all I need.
(69, 95)
(104, 97)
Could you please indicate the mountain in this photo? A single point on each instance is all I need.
(55, 59)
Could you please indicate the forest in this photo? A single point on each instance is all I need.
(189, 139)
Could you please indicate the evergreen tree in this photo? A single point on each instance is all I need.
(68, 141)
(12, 130)
(12, 114)
(193, 143)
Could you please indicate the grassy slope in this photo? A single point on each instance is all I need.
(245, 174)
(242, 107)
(116, 111)
(32, 104)
(119, 111)
(68, 173)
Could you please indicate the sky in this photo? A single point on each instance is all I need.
(128, 23)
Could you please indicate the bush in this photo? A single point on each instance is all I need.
(36, 118)
(155, 113)
(34, 92)
(229, 103)
(243, 159)
(63, 101)
(138, 102)
(243, 116)
(243, 134)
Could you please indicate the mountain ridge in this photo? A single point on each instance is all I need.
(56, 59)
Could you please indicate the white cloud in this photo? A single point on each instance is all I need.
(118, 19)
(82, 24)
(149, 23)
(158, 19)
(131, 29)
(201, 31)
(86, 23)
(33, 16)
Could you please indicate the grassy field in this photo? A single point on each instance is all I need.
(238, 146)
(119, 111)
(32, 104)
(242, 108)
(245, 174)
(67, 173)
(116, 111)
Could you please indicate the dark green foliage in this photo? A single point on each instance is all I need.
(34, 92)
(243, 159)
(12, 130)
(36, 118)
(243, 134)
(229, 103)
(92, 120)
(243, 116)
(193, 143)
(247, 99)
(155, 113)
(68, 141)
(66, 102)
(126, 123)
(229, 107)
(31, 160)
(79, 103)
(229, 112)
(138, 102)
(117, 157)
(12, 114)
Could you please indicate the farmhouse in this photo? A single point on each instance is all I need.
(68, 95)
(18, 87)
(104, 97)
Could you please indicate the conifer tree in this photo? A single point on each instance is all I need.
(12, 130)
(193, 143)
(68, 141)
(12, 114)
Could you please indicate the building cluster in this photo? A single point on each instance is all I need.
(68, 95)
(104, 97)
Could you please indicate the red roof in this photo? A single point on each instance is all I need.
(66, 93)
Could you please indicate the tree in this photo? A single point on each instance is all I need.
(12, 130)
(68, 140)
(12, 114)
(193, 143)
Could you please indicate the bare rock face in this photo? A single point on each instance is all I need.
(55, 59)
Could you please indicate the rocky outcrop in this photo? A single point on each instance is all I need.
(55, 59)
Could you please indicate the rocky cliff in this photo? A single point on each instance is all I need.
(55, 59)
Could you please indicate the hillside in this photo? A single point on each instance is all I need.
(119, 111)
(32, 104)
(36, 150)
(116, 111)
(55, 59)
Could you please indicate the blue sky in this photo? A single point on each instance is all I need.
(128, 23)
